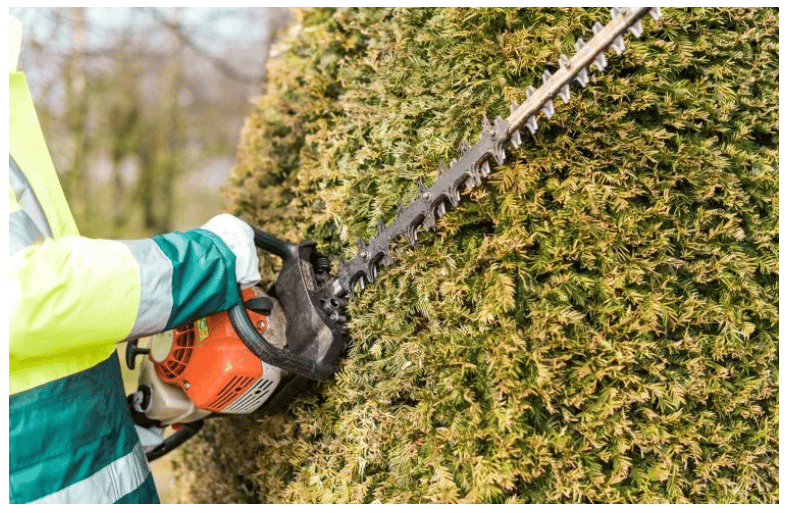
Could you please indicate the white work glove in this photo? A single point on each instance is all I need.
(150, 437)
(239, 237)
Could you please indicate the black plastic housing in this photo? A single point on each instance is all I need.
(314, 341)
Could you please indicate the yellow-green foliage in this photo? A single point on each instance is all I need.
(598, 323)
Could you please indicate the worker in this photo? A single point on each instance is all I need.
(71, 438)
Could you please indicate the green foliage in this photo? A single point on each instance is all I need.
(598, 323)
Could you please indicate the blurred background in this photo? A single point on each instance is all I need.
(142, 109)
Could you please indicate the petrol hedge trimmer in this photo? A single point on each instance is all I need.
(258, 355)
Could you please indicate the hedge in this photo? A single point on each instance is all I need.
(597, 323)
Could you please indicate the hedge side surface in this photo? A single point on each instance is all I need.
(598, 323)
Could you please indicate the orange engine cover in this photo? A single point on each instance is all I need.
(210, 363)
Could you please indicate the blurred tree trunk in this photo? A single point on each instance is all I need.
(76, 101)
(110, 86)
(125, 132)
(118, 185)
(163, 163)
(170, 133)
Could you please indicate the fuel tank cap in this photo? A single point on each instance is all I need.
(161, 345)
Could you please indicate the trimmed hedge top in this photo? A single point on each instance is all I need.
(598, 323)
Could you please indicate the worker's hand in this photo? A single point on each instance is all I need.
(239, 237)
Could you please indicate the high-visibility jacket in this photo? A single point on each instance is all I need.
(71, 438)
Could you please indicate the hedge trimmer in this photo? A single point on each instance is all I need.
(256, 356)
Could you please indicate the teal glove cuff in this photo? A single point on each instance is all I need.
(203, 274)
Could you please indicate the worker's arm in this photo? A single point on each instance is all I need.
(73, 298)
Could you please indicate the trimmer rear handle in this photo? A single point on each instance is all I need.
(314, 341)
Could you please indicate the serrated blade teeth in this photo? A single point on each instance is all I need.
(516, 139)
(636, 29)
(531, 124)
(486, 126)
(453, 195)
(582, 77)
(565, 94)
(600, 61)
(474, 179)
(500, 127)
(411, 235)
(429, 221)
(618, 45)
(548, 109)
(426, 211)
(546, 76)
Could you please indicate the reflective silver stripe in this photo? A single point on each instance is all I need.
(155, 305)
(22, 232)
(106, 486)
(27, 197)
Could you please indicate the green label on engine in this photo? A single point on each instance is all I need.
(202, 329)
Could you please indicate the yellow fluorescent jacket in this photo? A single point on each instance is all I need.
(71, 299)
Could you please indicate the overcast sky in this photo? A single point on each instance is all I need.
(215, 26)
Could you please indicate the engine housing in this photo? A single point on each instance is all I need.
(207, 364)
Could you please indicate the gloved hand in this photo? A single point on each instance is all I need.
(239, 238)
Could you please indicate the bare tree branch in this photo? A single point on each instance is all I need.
(219, 64)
